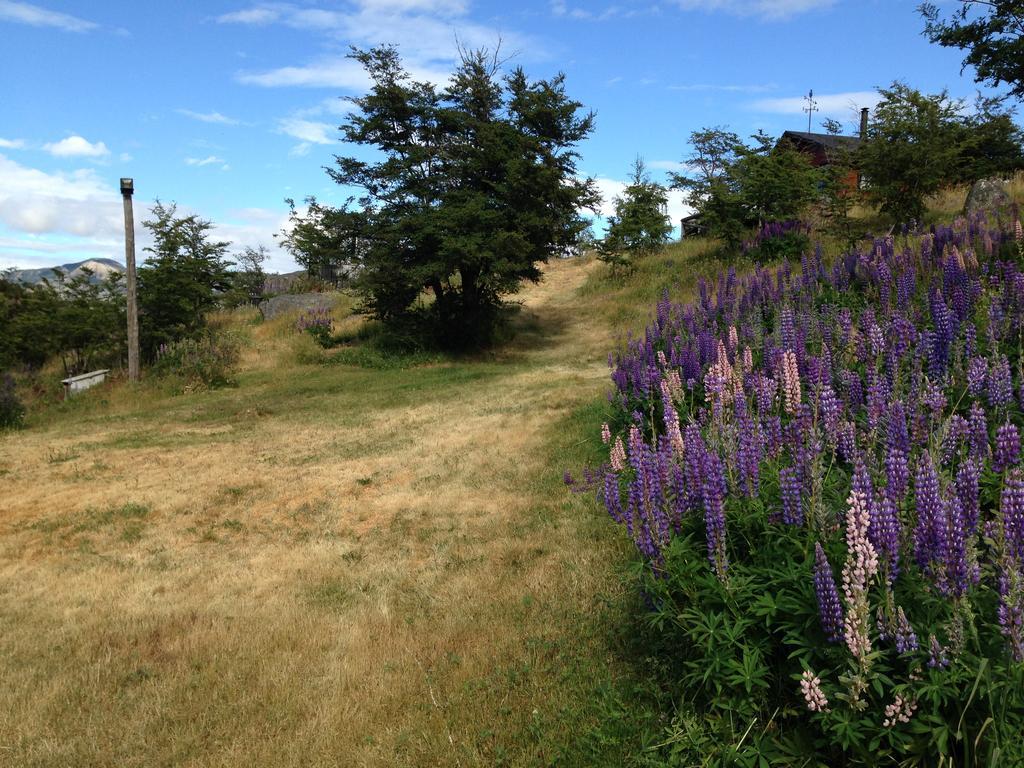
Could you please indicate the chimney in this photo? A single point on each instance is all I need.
(864, 123)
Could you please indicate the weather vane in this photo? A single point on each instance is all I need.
(811, 108)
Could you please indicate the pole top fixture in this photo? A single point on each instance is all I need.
(127, 187)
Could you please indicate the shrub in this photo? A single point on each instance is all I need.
(206, 362)
(12, 412)
(821, 475)
(778, 240)
(317, 322)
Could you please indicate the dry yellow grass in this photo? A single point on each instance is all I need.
(324, 566)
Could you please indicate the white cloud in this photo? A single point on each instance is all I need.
(33, 15)
(255, 16)
(300, 150)
(323, 73)
(12, 144)
(76, 146)
(124, 157)
(424, 30)
(766, 9)
(611, 188)
(307, 131)
(827, 103)
(208, 117)
(666, 165)
(563, 10)
(57, 218)
(35, 204)
(199, 162)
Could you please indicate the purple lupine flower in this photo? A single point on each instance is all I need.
(829, 608)
(930, 531)
(977, 373)
(884, 533)
(937, 654)
(1011, 510)
(789, 489)
(1011, 608)
(787, 329)
(830, 412)
(853, 389)
(942, 335)
(897, 450)
(612, 497)
(878, 396)
(934, 398)
(1007, 450)
(714, 491)
(958, 570)
(906, 640)
(968, 478)
(847, 442)
(978, 433)
(956, 430)
(748, 454)
(1000, 383)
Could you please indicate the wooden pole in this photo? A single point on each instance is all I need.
(127, 188)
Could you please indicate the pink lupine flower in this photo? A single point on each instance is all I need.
(790, 382)
(606, 433)
(900, 711)
(810, 687)
(861, 566)
(618, 455)
(748, 360)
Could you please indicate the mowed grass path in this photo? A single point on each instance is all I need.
(325, 565)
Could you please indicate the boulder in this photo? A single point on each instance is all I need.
(986, 195)
(294, 302)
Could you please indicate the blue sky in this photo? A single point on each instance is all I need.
(228, 107)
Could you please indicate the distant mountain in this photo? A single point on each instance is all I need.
(100, 268)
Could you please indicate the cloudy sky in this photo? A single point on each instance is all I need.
(227, 107)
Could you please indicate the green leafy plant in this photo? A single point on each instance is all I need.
(204, 363)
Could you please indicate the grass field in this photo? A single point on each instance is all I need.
(326, 564)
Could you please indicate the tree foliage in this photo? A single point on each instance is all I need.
(640, 224)
(248, 279)
(469, 190)
(182, 280)
(990, 31)
(75, 318)
(735, 186)
(919, 142)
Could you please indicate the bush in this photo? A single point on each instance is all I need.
(206, 362)
(12, 412)
(778, 240)
(317, 322)
(821, 475)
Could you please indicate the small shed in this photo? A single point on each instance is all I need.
(690, 226)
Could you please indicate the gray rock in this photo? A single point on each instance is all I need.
(986, 195)
(294, 302)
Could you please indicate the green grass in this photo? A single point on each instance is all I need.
(349, 557)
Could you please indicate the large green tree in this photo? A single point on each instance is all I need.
(640, 224)
(465, 192)
(184, 277)
(992, 34)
